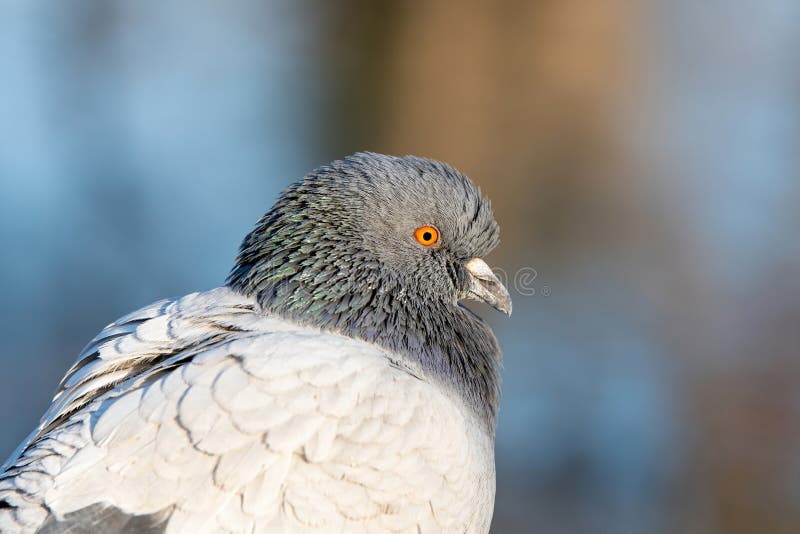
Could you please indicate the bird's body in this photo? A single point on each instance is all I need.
(232, 421)
(287, 401)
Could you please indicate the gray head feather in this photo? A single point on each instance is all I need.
(337, 251)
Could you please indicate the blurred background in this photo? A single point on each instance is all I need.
(642, 157)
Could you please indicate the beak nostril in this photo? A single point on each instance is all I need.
(486, 287)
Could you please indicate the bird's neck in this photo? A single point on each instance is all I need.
(446, 342)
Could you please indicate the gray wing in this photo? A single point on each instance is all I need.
(265, 427)
(103, 518)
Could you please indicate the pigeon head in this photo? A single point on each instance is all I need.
(383, 248)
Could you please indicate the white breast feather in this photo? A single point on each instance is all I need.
(239, 422)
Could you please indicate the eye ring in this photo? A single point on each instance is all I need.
(427, 235)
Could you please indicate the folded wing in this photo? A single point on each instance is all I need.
(203, 414)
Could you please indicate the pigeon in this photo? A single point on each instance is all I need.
(335, 383)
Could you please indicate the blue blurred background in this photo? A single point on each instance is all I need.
(642, 156)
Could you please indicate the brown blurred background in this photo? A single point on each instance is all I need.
(642, 158)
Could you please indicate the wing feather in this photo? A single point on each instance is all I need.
(201, 414)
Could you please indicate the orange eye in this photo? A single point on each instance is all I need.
(426, 235)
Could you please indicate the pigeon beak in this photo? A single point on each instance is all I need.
(484, 286)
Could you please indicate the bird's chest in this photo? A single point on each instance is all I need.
(411, 451)
(388, 452)
(259, 442)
